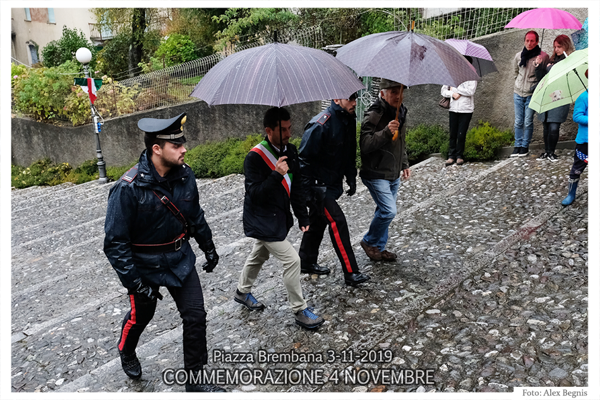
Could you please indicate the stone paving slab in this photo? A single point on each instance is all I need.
(357, 318)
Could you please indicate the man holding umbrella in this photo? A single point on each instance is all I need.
(273, 184)
(327, 155)
(384, 160)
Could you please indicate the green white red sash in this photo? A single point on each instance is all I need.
(269, 156)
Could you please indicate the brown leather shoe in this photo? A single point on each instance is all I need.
(388, 256)
(372, 252)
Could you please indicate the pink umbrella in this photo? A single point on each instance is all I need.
(545, 18)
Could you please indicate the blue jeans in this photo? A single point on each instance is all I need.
(384, 194)
(523, 120)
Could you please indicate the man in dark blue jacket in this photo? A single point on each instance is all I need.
(327, 155)
(273, 184)
(152, 212)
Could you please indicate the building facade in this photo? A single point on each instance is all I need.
(33, 28)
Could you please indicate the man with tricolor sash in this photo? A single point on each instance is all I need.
(273, 184)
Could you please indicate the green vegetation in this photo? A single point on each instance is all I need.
(62, 50)
(423, 140)
(217, 159)
(46, 173)
(484, 141)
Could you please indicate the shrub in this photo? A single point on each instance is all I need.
(59, 51)
(215, 159)
(17, 72)
(175, 50)
(43, 91)
(424, 140)
(484, 141)
(42, 172)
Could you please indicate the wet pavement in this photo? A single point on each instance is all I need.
(489, 292)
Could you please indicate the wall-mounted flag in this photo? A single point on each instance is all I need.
(90, 86)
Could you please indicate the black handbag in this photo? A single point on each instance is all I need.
(445, 102)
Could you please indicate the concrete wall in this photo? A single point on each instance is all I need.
(494, 95)
(122, 141)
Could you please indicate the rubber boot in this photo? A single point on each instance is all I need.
(572, 190)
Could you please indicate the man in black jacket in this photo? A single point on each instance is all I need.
(384, 160)
(152, 212)
(273, 184)
(327, 155)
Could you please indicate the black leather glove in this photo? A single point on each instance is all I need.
(212, 258)
(146, 291)
(352, 189)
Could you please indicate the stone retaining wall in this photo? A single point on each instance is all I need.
(122, 142)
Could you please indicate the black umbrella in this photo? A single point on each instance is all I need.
(407, 57)
(277, 75)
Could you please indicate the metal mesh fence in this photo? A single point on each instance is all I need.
(173, 85)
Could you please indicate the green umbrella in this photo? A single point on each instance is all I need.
(563, 84)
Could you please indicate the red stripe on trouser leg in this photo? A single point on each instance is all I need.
(338, 240)
(129, 324)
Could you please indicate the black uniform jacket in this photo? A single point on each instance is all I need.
(328, 149)
(382, 157)
(267, 213)
(136, 215)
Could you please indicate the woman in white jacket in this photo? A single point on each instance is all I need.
(461, 111)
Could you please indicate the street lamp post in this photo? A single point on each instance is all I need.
(84, 56)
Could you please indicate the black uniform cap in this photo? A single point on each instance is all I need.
(170, 130)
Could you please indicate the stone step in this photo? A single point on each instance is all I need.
(225, 220)
(348, 318)
(398, 290)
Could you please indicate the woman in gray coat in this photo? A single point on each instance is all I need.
(552, 119)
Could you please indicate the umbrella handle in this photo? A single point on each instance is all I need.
(395, 137)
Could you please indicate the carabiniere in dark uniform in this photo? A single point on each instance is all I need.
(149, 221)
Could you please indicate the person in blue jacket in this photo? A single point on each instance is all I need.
(152, 212)
(273, 184)
(580, 115)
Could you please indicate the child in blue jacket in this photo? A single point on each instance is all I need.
(580, 115)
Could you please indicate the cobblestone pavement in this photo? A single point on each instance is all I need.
(489, 292)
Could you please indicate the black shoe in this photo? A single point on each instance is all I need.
(355, 278)
(543, 156)
(131, 365)
(524, 152)
(248, 300)
(552, 157)
(314, 269)
(516, 152)
(194, 387)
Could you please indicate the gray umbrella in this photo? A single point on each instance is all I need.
(407, 57)
(277, 75)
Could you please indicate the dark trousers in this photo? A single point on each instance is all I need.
(550, 136)
(459, 123)
(333, 217)
(578, 164)
(190, 303)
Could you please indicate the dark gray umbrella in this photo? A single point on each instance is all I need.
(277, 75)
(407, 57)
